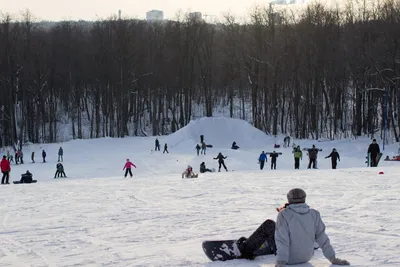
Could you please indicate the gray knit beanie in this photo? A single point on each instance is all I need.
(296, 195)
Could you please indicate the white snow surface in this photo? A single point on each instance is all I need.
(95, 217)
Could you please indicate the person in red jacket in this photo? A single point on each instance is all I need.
(5, 169)
(128, 166)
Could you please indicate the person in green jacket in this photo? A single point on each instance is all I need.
(298, 155)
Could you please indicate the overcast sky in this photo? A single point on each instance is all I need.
(92, 9)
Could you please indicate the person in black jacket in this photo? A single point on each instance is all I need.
(157, 145)
(273, 157)
(203, 168)
(334, 158)
(312, 155)
(221, 161)
(165, 148)
(374, 150)
(198, 149)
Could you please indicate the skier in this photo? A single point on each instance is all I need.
(198, 149)
(44, 156)
(312, 155)
(203, 168)
(59, 170)
(292, 237)
(203, 148)
(221, 161)
(298, 155)
(157, 145)
(128, 166)
(60, 154)
(262, 159)
(373, 151)
(5, 169)
(334, 158)
(273, 157)
(165, 148)
(33, 157)
(235, 146)
(26, 178)
(188, 173)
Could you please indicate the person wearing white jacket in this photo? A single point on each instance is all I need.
(297, 228)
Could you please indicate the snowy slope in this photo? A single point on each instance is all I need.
(98, 218)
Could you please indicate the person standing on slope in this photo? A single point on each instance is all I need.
(198, 149)
(203, 148)
(128, 166)
(221, 161)
(273, 157)
(298, 155)
(373, 151)
(5, 169)
(165, 148)
(312, 155)
(293, 235)
(60, 154)
(44, 156)
(262, 159)
(157, 145)
(334, 158)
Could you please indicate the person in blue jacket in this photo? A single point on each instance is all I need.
(262, 159)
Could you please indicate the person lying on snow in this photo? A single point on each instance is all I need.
(292, 237)
(188, 173)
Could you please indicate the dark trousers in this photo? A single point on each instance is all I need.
(203, 151)
(59, 174)
(165, 150)
(273, 165)
(297, 163)
(372, 160)
(334, 164)
(128, 170)
(44, 159)
(6, 176)
(157, 148)
(222, 163)
(313, 162)
(198, 151)
(262, 162)
(206, 170)
(264, 233)
(60, 157)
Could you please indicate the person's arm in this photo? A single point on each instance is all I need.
(322, 239)
(330, 155)
(282, 239)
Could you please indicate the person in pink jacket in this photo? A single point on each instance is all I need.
(128, 167)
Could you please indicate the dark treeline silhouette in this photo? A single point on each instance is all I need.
(305, 75)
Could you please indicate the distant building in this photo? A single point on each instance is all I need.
(155, 15)
(195, 16)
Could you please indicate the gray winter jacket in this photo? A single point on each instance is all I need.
(297, 227)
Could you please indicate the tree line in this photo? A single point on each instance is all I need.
(310, 74)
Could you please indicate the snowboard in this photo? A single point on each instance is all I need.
(18, 182)
(210, 146)
(195, 176)
(306, 149)
(268, 153)
(223, 250)
(378, 158)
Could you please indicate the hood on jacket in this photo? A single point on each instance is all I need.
(301, 208)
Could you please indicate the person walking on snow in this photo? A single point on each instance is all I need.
(5, 169)
(262, 159)
(44, 156)
(373, 151)
(33, 157)
(203, 148)
(298, 155)
(334, 158)
(198, 149)
(188, 173)
(293, 235)
(60, 154)
(312, 155)
(203, 168)
(273, 157)
(221, 161)
(165, 148)
(157, 145)
(128, 166)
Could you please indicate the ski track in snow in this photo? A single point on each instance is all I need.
(98, 218)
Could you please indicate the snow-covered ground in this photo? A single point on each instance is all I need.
(98, 218)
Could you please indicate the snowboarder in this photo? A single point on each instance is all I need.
(334, 158)
(198, 149)
(203, 168)
(59, 170)
(221, 161)
(262, 159)
(312, 155)
(60, 154)
(128, 166)
(5, 169)
(44, 156)
(157, 145)
(188, 173)
(203, 148)
(165, 148)
(293, 235)
(298, 155)
(235, 146)
(33, 157)
(373, 151)
(273, 157)
(26, 178)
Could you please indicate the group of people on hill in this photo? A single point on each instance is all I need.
(263, 158)
(157, 146)
(313, 156)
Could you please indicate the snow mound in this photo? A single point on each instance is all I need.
(221, 132)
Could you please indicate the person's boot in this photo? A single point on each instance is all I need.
(245, 251)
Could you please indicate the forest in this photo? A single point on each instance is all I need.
(319, 73)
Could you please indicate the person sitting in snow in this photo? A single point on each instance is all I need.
(128, 166)
(26, 178)
(203, 168)
(188, 173)
(234, 146)
(293, 235)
